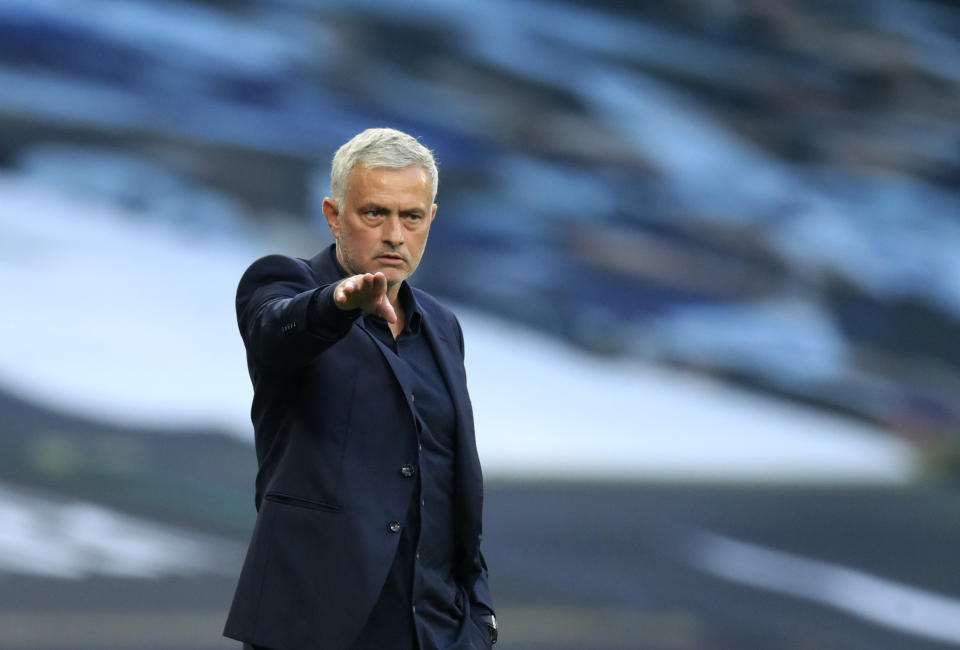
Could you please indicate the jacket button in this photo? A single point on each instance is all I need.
(394, 526)
(407, 471)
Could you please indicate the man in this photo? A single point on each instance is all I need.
(369, 491)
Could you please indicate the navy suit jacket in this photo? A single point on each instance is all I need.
(333, 427)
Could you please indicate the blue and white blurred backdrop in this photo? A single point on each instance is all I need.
(706, 255)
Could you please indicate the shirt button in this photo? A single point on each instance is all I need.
(407, 471)
(394, 526)
(417, 555)
(414, 608)
(413, 398)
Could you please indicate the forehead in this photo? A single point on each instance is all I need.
(409, 184)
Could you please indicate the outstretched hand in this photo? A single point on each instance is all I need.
(367, 291)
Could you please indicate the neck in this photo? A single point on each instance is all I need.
(393, 294)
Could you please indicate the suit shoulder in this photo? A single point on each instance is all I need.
(274, 274)
(275, 266)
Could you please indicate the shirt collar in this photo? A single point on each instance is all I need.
(414, 316)
(332, 250)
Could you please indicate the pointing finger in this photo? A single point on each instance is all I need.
(386, 310)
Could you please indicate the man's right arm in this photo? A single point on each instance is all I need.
(284, 319)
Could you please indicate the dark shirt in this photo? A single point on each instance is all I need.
(420, 594)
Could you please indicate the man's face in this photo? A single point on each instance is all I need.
(384, 220)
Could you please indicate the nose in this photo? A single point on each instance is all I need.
(392, 231)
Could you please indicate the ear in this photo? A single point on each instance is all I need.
(433, 211)
(332, 212)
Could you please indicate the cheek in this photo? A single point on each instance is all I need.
(359, 237)
(419, 244)
(370, 240)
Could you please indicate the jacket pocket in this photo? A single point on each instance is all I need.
(299, 502)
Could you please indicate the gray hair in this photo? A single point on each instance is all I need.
(379, 148)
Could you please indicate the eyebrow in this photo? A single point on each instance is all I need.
(379, 209)
(372, 207)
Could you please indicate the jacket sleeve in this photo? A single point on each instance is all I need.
(481, 601)
(285, 319)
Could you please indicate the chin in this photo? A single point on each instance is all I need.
(391, 272)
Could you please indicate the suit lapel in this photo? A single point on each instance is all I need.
(446, 351)
(469, 479)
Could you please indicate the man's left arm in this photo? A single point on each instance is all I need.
(478, 588)
(477, 585)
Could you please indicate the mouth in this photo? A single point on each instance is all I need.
(390, 258)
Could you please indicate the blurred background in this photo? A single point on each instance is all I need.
(705, 254)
